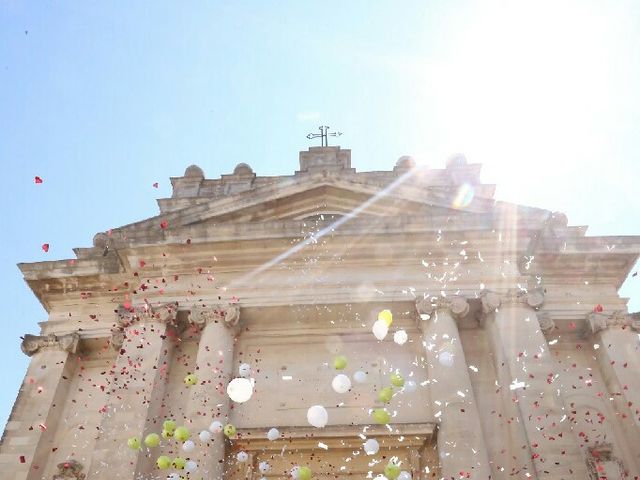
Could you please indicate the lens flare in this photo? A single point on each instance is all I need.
(464, 196)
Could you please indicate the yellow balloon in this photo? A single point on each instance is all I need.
(386, 316)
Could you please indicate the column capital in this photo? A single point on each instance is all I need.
(162, 313)
(32, 344)
(596, 322)
(458, 306)
(492, 300)
(229, 315)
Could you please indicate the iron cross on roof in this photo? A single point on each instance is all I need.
(323, 135)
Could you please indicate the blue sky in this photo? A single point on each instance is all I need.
(102, 99)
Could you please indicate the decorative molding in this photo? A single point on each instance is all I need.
(597, 322)
(458, 306)
(32, 344)
(69, 470)
(201, 316)
(163, 313)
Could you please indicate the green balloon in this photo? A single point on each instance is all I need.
(340, 362)
(152, 440)
(191, 379)
(304, 473)
(134, 443)
(381, 416)
(397, 380)
(229, 430)
(182, 434)
(179, 463)
(385, 394)
(163, 462)
(169, 426)
(392, 471)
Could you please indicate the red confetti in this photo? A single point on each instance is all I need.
(37, 179)
(45, 247)
(164, 224)
(598, 308)
(22, 459)
(142, 263)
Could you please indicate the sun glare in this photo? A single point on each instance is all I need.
(527, 80)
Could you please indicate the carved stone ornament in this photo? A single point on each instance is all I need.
(547, 325)
(491, 301)
(202, 316)
(164, 313)
(602, 463)
(117, 340)
(69, 470)
(34, 343)
(458, 306)
(597, 322)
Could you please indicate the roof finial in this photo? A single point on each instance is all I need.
(323, 135)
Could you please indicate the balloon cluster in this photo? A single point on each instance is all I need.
(183, 435)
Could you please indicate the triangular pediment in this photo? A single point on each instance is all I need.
(312, 197)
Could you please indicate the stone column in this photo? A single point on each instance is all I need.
(34, 419)
(135, 395)
(209, 400)
(461, 444)
(554, 450)
(618, 356)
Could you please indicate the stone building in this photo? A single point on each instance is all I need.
(521, 360)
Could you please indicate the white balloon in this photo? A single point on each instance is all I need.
(446, 359)
(400, 337)
(240, 390)
(380, 329)
(371, 446)
(264, 467)
(273, 434)
(341, 383)
(317, 416)
(242, 456)
(404, 475)
(244, 370)
(295, 472)
(215, 427)
(188, 446)
(410, 386)
(360, 376)
(191, 466)
(205, 435)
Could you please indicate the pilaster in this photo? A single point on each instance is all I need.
(219, 326)
(554, 450)
(461, 444)
(618, 355)
(139, 375)
(35, 416)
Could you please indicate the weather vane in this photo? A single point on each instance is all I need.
(323, 135)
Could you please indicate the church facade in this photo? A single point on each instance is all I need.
(506, 350)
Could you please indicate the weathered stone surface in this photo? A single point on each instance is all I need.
(523, 354)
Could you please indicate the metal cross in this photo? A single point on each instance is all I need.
(323, 135)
